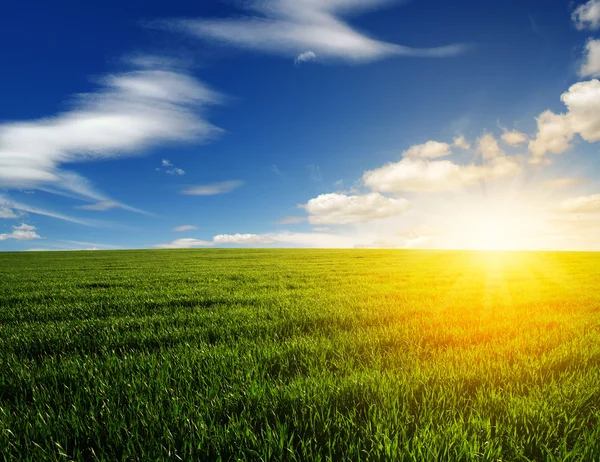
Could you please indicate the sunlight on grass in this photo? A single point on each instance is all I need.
(300, 355)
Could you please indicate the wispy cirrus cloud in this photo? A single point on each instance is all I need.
(128, 113)
(212, 189)
(183, 228)
(303, 30)
(11, 206)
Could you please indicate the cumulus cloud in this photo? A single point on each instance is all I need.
(582, 204)
(128, 113)
(305, 57)
(488, 147)
(514, 137)
(291, 27)
(213, 189)
(5, 212)
(587, 15)
(462, 143)
(244, 239)
(429, 150)
(183, 228)
(437, 176)
(171, 171)
(556, 131)
(22, 232)
(185, 243)
(291, 220)
(591, 64)
(340, 209)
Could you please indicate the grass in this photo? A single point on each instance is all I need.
(299, 355)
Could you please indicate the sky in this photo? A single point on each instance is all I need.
(300, 123)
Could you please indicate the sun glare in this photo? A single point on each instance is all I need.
(493, 225)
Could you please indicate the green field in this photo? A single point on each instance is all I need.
(299, 355)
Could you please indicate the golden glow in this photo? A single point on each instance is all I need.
(497, 225)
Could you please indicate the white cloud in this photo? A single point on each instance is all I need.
(488, 147)
(305, 57)
(128, 113)
(166, 163)
(291, 220)
(6, 212)
(12, 205)
(185, 243)
(587, 15)
(514, 137)
(591, 65)
(429, 150)
(101, 206)
(462, 143)
(176, 171)
(213, 189)
(104, 206)
(182, 228)
(339, 209)
(322, 230)
(554, 135)
(23, 232)
(437, 176)
(291, 27)
(245, 239)
(556, 131)
(582, 204)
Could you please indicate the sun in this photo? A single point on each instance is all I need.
(498, 224)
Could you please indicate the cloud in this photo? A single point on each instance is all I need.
(591, 65)
(245, 239)
(305, 57)
(514, 137)
(557, 183)
(5, 212)
(291, 27)
(104, 206)
(488, 147)
(461, 142)
(184, 243)
(182, 228)
(322, 230)
(582, 204)
(171, 171)
(429, 150)
(556, 131)
(437, 176)
(339, 209)
(6, 203)
(213, 189)
(291, 220)
(23, 232)
(128, 113)
(587, 15)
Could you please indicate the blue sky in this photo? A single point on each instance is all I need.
(306, 123)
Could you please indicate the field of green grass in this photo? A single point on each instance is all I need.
(299, 355)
